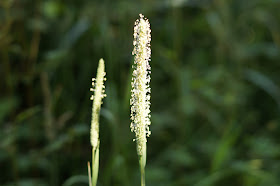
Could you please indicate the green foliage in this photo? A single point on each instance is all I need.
(215, 92)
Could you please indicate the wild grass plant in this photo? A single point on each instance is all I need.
(140, 93)
(99, 94)
(215, 92)
(140, 99)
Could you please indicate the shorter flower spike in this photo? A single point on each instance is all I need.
(99, 94)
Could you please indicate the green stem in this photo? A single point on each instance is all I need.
(142, 162)
(142, 176)
(95, 165)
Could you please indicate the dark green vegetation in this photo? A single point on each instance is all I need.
(215, 92)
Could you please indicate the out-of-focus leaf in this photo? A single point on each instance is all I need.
(253, 174)
(225, 148)
(53, 60)
(264, 147)
(8, 137)
(162, 120)
(213, 178)
(219, 30)
(28, 182)
(6, 106)
(52, 9)
(157, 175)
(57, 144)
(27, 114)
(263, 82)
(37, 24)
(79, 129)
(270, 50)
(76, 180)
(75, 33)
(178, 157)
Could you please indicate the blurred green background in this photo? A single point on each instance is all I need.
(215, 92)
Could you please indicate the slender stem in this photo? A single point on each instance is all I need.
(142, 162)
(142, 176)
(89, 175)
(95, 165)
(92, 165)
(142, 171)
(93, 168)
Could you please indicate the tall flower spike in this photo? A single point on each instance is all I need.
(99, 94)
(140, 93)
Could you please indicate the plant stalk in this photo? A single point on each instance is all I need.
(142, 162)
(95, 165)
(89, 175)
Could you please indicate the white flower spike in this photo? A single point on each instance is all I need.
(99, 94)
(140, 93)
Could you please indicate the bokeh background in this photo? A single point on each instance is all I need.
(215, 92)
